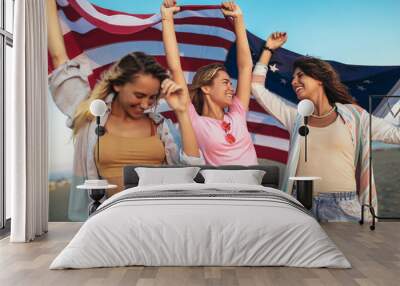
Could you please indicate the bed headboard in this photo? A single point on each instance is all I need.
(270, 179)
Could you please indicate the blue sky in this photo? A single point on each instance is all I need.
(365, 32)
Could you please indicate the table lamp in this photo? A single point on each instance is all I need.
(98, 108)
(305, 108)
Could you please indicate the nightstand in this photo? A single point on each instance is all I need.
(304, 190)
(96, 191)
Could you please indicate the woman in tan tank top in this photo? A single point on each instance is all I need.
(119, 151)
(129, 87)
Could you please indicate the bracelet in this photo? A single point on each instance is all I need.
(268, 49)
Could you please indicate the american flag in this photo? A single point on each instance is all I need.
(97, 37)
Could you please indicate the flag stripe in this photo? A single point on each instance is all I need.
(186, 17)
(270, 141)
(271, 154)
(193, 55)
(85, 42)
(253, 105)
(117, 23)
(203, 30)
(270, 130)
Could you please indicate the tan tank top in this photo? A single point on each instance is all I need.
(330, 155)
(117, 152)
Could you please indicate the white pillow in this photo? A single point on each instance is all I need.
(248, 177)
(163, 176)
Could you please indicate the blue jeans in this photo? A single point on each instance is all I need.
(343, 206)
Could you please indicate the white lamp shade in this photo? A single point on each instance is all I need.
(98, 107)
(305, 107)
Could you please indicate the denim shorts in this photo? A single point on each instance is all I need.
(331, 207)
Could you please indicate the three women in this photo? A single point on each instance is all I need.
(338, 127)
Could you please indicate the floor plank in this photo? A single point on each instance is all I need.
(374, 255)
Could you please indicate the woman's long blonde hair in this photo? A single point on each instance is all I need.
(204, 76)
(120, 73)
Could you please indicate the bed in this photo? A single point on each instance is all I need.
(201, 224)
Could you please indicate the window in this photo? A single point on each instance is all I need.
(6, 45)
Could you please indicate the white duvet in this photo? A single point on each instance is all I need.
(207, 230)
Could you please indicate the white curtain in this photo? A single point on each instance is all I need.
(26, 127)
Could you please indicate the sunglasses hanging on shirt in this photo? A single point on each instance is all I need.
(226, 126)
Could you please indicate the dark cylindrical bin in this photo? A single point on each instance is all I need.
(304, 193)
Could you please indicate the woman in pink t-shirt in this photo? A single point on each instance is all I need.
(222, 136)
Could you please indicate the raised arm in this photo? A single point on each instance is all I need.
(176, 92)
(173, 94)
(274, 41)
(271, 102)
(55, 38)
(68, 85)
(168, 8)
(243, 55)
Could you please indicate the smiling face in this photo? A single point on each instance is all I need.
(305, 86)
(220, 91)
(137, 96)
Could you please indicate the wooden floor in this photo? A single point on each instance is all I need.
(375, 256)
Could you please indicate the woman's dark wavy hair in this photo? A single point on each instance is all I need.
(320, 70)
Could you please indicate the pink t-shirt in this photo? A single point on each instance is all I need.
(211, 137)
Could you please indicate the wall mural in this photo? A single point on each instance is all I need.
(200, 111)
